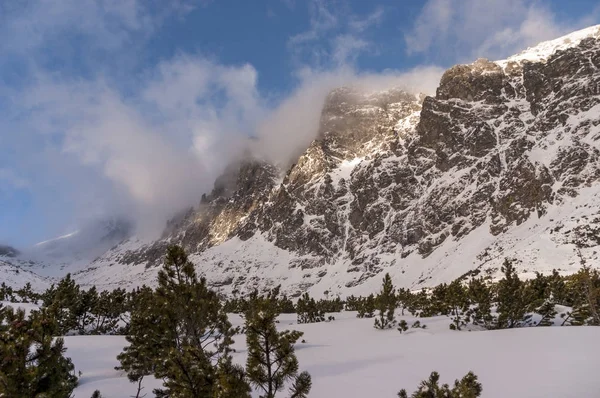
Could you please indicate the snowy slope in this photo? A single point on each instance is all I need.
(18, 276)
(544, 50)
(349, 358)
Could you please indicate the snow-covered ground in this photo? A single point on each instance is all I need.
(349, 358)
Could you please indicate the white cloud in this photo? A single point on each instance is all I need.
(105, 23)
(321, 20)
(359, 24)
(347, 48)
(163, 145)
(335, 36)
(462, 30)
(288, 129)
(153, 147)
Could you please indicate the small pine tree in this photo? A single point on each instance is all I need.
(386, 304)
(457, 301)
(467, 387)
(96, 394)
(62, 302)
(403, 298)
(513, 299)
(308, 311)
(366, 307)
(584, 292)
(271, 358)
(481, 297)
(402, 326)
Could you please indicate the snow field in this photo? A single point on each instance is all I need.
(349, 358)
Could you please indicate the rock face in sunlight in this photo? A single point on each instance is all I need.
(503, 162)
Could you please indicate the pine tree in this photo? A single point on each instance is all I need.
(457, 301)
(403, 297)
(513, 299)
(308, 310)
(271, 361)
(366, 307)
(106, 312)
(83, 307)
(467, 387)
(286, 306)
(139, 358)
(481, 297)
(96, 394)
(386, 304)
(438, 303)
(32, 361)
(548, 312)
(402, 326)
(231, 381)
(419, 303)
(62, 302)
(584, 288)
(27, 294)
(179, 333)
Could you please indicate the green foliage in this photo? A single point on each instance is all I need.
(417, 325)
(403, 297)
(402, 326)
(96, 394)
(480, 297)
(7, 293)
(231, 381)
(386, 305)
(514, 299)
(308, 311)
(27, 295)
(330, 305)
(271, 361)
(63, 302)
(366, 307)
(583, 290)
(419, 304)
(179, 333)
(352, 303)
(301, 386)
(457, 302)
(467, 387)
(239, 305)
(32, 361)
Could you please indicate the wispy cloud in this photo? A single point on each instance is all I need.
(322, 19)
(462, 30)
(360, 23)
(335, 37)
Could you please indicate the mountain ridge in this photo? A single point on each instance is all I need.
(503, 161)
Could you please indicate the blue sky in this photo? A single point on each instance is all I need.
(132, 107)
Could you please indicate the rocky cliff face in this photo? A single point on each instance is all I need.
(503, 161)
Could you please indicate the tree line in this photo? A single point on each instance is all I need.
(179, 331)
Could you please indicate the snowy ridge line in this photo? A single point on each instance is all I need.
(542, 51)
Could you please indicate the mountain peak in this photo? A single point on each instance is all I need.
(542, 51)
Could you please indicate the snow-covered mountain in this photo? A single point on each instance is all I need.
(504, 161)
(93, 239)
(53, 258)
